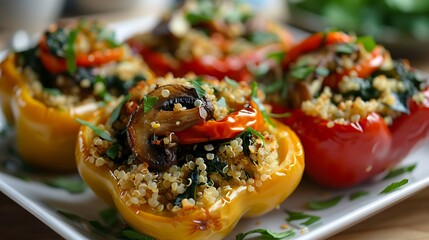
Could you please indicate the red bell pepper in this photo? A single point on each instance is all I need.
(340, 155)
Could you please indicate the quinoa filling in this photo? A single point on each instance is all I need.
(198, 175)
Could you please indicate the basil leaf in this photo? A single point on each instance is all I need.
(294, 216)
(399, 171)
(367, 42)
(394, 186)
(70, 185)
(70, 54)
(101, 133)
(357, 195)
(231, 82)
(319, 205)
(266, 234)
(115, 114)
(148, 102)
(200, 91)
(133, 235)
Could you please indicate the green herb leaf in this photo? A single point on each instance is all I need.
(295, 216)
(133, 235)
(394, 186)
(109, 216)
(367, 42)
(322, 71)
(52, 91)
(257, 134)
(115, 114)
(276, 56)
(347, 48)
(266, 234)
(101, 133)
(191, 191)
(274, 86)
(255, 99)
(112, 152)
(70, 185)
(301, 72)
(148, 102)
(319, 205)
(70, 54)
(200, 91)
(231, 82)
(357, 195)
(399, 171)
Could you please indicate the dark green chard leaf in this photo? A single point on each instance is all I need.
(115, 114)
(70, 185)
(70, 55)
(148, 102)
(266, 234)
(101, 133)
(191, 191)
(367, 42)
(357, 195)
(394, 186)
(396, 172)
(295, 216)
(319, 205)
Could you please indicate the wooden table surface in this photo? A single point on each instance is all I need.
(408, 219)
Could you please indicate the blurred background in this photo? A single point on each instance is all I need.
(401, 25)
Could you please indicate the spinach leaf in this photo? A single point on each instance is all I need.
(191, 191)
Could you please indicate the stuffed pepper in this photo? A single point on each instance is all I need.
(186, 159)
(356, 111)
(216, 38)
(73, 70)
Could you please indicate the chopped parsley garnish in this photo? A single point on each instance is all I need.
(319, 205)
(149, 102)
(101, 133)
(231, 82)
(70, 54)
(367, 42)
(68, 184)
(399, 171)
(115, 114)
(394, 186)
(357, 195)
(197, 85)
(295, 216)
(255, 99)
(267, 234)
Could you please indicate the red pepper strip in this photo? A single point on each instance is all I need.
(227, 128)
(315, 42)
(345, 154)
(58, 65)
(409, 129)
(363, 69)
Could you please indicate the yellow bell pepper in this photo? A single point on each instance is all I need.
(213, 222)
(46, 136)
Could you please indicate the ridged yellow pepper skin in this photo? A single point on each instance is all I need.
(212, 223)
(46, 136)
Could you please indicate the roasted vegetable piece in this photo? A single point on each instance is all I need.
(202, 189)
(68, 75)
(358, 118)
(215, 38)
